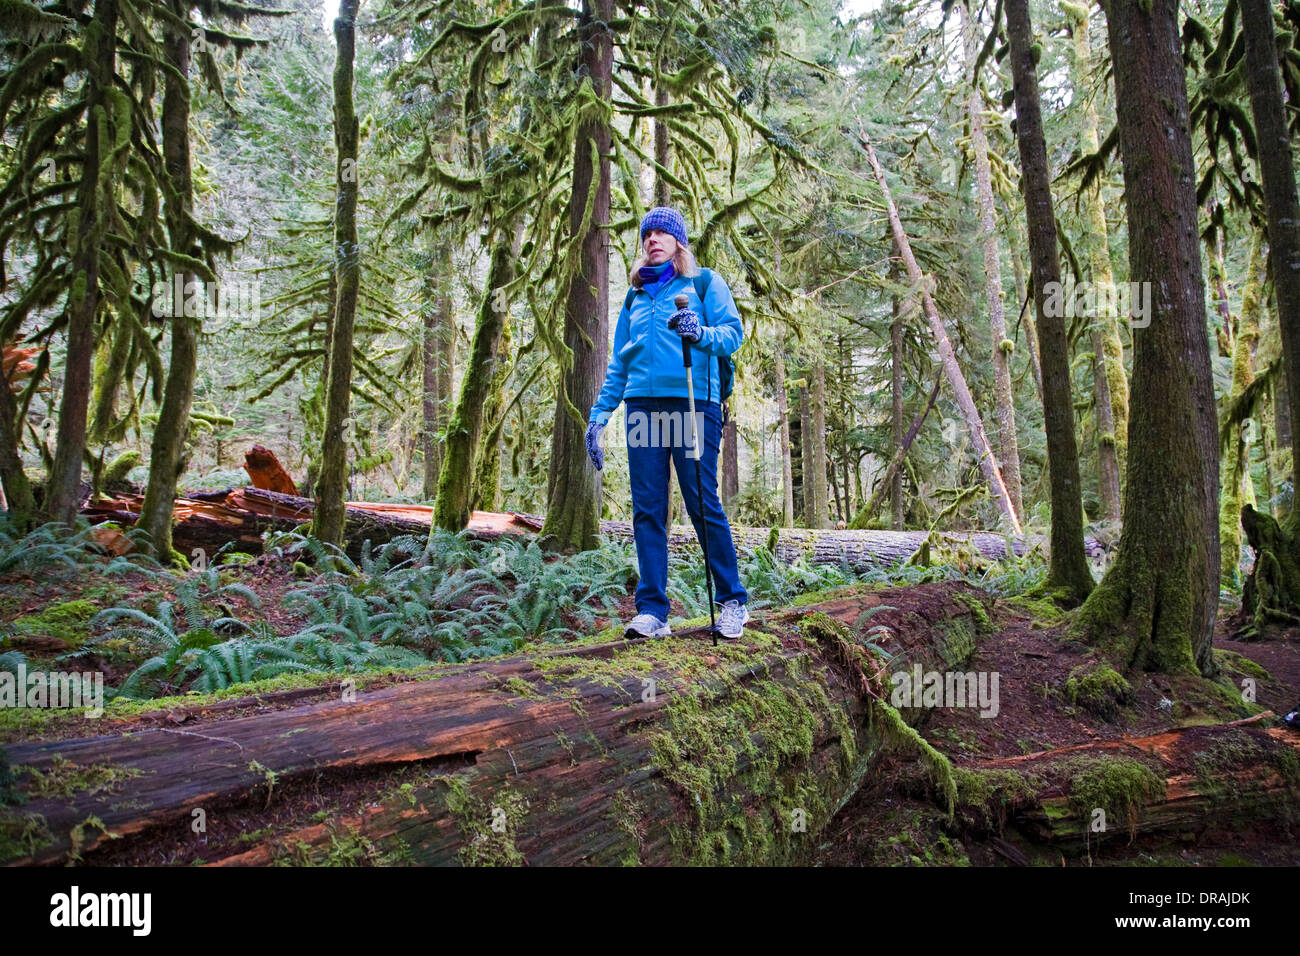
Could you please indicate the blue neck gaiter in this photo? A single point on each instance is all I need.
(653, 278)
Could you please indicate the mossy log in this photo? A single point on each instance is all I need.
(1174, 783)
(608, 751)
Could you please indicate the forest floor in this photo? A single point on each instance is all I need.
(890, 821)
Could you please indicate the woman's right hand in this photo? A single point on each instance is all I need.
(594, 451)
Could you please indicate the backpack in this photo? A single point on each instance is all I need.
(726, 368)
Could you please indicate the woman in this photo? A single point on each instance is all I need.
(646, 370)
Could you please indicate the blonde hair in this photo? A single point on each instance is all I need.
(683, 264)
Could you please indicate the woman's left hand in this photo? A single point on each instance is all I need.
(686, 324)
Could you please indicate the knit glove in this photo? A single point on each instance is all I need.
(594, 451)
(686, 324)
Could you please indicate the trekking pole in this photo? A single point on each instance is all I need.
(681, 302)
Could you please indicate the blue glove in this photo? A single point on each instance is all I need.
(594, 451)
(686, 324)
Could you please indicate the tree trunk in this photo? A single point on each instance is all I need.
(95, 210)
(730, 460)
(1069, 566)
(1024, 315)
(331, 490)
(1237, 486)
(1003, 400)
(974, 424)
(896, 329)
(805, 455)
(817, 446)
(1277, 171)
(1111, 384)
(1155, 608)
(20, 502)
(783, 427)
(573, 500)
(167, 449)
(438, 343)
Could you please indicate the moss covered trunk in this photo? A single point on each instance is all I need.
(331, 489)
(604, 752)
(573, 486)
(1238, 489)
(167, 447)
(107, 130)
(1111, 382)
(1156, 606)
(1273, 592)
(465, 430)
(1069, 566)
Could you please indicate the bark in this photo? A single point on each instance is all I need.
(167, 448)
(641, 751)
(896, 329)
(1277, 172)
(1156, 606)
(1023, 316)
(1003, 400)
(947, 357)
(1069, 569)
(574, 487)
(816, 461)
(464, 431)
(1110, 385)
(95, 209)
(783, 428)
(805, 455)
(438, 345)
(20, 501)
(1238, 490)
(730, 459)
(331, 490)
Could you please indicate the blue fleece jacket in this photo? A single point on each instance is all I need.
(647, 359)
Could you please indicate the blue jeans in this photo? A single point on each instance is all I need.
(664, 432)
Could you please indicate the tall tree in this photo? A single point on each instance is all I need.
(1155, 608)
(331, 493)
(1003, 400)
(573, 496)
(1069, 564)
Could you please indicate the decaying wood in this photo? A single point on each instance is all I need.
(634, 751)
(266, 472)
(1214, 776)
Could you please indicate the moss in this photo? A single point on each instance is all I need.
(68, 622)
(22, 834)
(77, 837)
(897, 734)
(488, 831)
(1118, 785)
(983, 623)
(1240, 663)
(1099, 689)
(347, 847)
(64, 778)
(1238, 749)
(29, 722)
(989, 794)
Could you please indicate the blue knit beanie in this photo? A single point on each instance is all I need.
(669, 220)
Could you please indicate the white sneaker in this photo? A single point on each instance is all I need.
(647, 625)
(731, 622)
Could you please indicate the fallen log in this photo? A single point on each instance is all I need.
(604, 752)
(1177, 782)
(266, 472)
